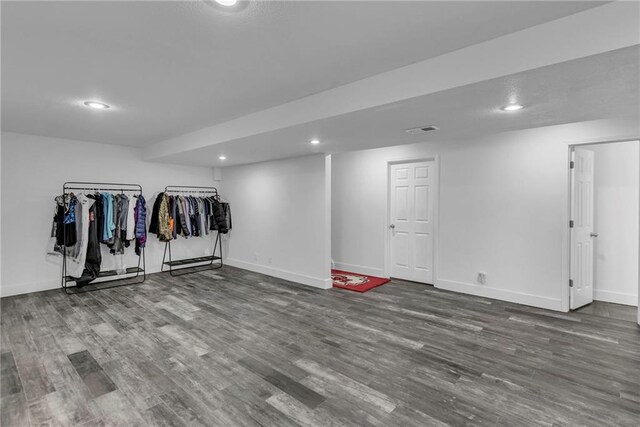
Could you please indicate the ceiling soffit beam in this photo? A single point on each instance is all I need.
(591, 32)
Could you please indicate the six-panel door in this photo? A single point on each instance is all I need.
(411, 227)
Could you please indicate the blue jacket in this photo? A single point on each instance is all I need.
(109, 226)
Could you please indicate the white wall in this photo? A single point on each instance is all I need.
(33, 171)
(1, 216)
(503, 209)
(616, 222)
(281, 224)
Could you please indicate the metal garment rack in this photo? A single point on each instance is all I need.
(95, 286)
(186, 263)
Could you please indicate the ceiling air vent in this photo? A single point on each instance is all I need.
(421, 129)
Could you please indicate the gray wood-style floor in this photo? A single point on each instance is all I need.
(610, 310)
(237, 348)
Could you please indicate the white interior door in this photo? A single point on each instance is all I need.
(411, 227)
(582, 208)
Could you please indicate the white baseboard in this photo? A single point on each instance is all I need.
(28, 287)
(500, 294)
(615, 297)
(369, 271)
(316, 282)
(44, 285)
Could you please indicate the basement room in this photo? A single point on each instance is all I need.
(320, 213)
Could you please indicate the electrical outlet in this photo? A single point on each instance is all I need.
(482, 277)
(255, 256)
(269, 260)
(207, 251)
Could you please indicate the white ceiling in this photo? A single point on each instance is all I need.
(168, 68)
(596, 87)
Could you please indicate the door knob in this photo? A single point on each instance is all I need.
(392, 226)
(594, 234)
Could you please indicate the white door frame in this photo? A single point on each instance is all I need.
(566, 233)
(436, 213)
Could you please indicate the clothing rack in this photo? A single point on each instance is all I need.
(94, 286)
(185, 264)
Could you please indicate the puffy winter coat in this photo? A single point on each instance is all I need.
(219, 217)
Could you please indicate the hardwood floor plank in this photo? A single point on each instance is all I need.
(9, 378)
(14, 410)
(160, 415)
(117, 412)
(247, 401)
(185, 339)
(187, 407)
(129, 380)
(92, 373)
(66, 406)
(336, 384)
(302, 414)
(295, 389)
(34, 378)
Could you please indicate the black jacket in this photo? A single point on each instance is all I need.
(219, 217)
(153, 226)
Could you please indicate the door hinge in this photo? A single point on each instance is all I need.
(570, 283)
(571, 224)
(572, 164)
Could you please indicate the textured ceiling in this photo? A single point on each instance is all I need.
(168, 68)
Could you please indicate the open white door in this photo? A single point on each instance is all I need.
(411, 214)
(582, 209)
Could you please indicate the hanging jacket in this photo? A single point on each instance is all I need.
(76, 212)
(108, 223)
(226, 207)
(121, 204)
(99, 215)
(64, 233)
(56, 224)
(75, 261)
(94, 257)
(164, 233)
(182, 217)
(131, 222)
(140, 217)
(219, 217)
(187, 218)
(175, 221)
(114, 218)
(153, 225)
(177, 225)
(207, 215)
(70, 214)
(69, 227)
(212, 221)
(203, 216)
(193, 217)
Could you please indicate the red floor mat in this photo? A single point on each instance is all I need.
(355, 282)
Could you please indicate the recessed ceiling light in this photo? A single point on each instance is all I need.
(513, 107)
(96, 105)
(227, 2)
(315, 141)
(222, 157)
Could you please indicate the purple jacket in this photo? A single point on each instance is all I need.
(140, 216)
